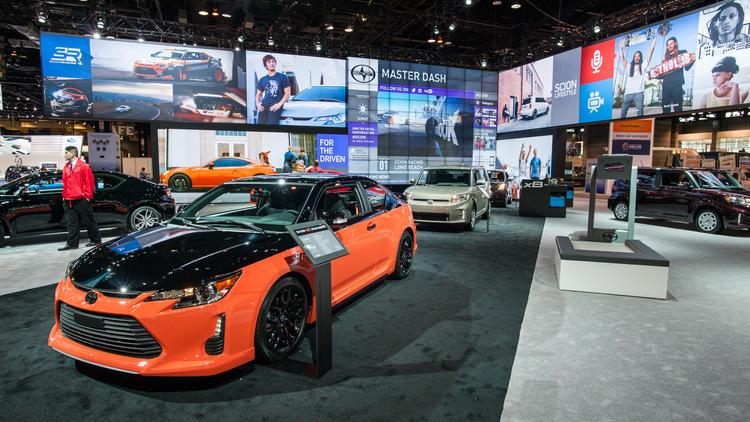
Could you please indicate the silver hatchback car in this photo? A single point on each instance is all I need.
(450, 195)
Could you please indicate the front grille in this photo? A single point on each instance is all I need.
(117, 295)
(433, 200)
(118, 334)
(430, 216)
(146, 71)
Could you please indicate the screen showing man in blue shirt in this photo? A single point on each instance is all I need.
(273, 91)
(535, 166)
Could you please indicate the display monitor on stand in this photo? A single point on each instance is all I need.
(613, 167)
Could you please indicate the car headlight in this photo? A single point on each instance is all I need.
(205, 293)
(408, 196)
(460, 198)
(335, 119)
(501, 186)
(738, 200)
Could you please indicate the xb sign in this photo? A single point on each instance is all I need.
(533, 184)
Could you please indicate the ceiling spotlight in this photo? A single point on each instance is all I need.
(560, 41)
(363, 18)
(431, 39)
(140, 39)
(329, 27)
(226, 15)
(440, 40)
(236, 48)
(515, 5)
(203, 12)
(215, 12)
(497, 3)
(452, 25)
(468, 2)
(97, 35)
(349, 29)
(435, 29)
(240, 38)
(318, 45)
(484, 62)
(270, 39)
(100, 22)
(597, 28)
(41, 15)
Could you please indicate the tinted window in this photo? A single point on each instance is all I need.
(526, 101)
(375, 195)
(679, 179)
(477, 176)
(540, 100)
(647, 178)
(339, 202)
(203, 56)
(106, 180)
(445, 177)
(230, 162)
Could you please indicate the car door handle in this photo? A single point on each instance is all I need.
(371, 227)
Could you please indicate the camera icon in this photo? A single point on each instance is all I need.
(594, 102)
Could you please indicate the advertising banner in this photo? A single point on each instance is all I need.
(525, 158)
(296, 90)
(525, 96)
(722, 69)
(566, 85)
(332, 152)
(633, 137)
(597, 68)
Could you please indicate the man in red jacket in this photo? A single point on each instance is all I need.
(78, 192)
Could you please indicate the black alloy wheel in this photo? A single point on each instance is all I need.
(180, 183)
(144, 217)
(281, 322)
(533, 115)
(404, 257)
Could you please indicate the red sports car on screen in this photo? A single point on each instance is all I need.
(70, 101)
(224, 283)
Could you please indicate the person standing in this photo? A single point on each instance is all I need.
(303, 156)
(535, 166)
(288, 166)
(635, 81)
(671, 85)
(143, 175)
(78, 192)
(315, 167)
(289, 155)
(273, 91)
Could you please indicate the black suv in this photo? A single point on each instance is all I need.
(711, 199)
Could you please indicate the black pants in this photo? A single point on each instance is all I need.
(76, 211)
(671, 97)
(268, 117)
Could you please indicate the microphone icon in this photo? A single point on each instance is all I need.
(597, 61)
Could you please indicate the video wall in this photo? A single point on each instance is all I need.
(128, 80)
(405, 116)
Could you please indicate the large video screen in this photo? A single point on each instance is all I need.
(129, 80)
(525, 158)
(405, 116)
(296, 90)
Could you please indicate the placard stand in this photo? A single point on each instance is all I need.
(320, 244)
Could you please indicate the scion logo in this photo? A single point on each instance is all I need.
(91, 297)
(362, 73)
(67, 55)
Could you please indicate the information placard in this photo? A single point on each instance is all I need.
(318, 241)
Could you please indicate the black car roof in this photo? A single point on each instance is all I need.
(313, 178)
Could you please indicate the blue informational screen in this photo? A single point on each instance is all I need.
(65, 57)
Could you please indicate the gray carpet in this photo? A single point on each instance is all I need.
(438, 345)
(595, 357)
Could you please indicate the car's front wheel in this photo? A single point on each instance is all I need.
(469, 225)
(533, 115)
(180, 183)
(620, 210)
(218, 75)
(709, 221)
(144, 217)
(281, 321)
(404, 257)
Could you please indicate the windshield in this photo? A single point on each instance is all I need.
(715, 180)
(167, 55)
(322, 93)
(12, 188)
(497, 176)
(445, 177)
(526, 101)
(270, 205)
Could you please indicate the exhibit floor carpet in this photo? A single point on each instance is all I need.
(438, 345)
(595, 357)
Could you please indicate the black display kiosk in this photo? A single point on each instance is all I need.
(540, 199)
(321, 246)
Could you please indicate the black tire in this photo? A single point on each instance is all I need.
(281, 321)
(486, 213)
(620, 210)
(180, 183)
(709, 221)
(144, 217)
(404, 257)
(504, 203)
(533, 115)
(469, 225)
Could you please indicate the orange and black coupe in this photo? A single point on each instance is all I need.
(223, 283)
(213, 173)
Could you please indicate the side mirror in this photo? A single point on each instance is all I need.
(411, 181)
(210, 166)
(30, 189)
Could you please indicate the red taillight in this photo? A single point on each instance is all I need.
(166, 191)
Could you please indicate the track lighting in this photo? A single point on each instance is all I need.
(515, 5)
(452, 25)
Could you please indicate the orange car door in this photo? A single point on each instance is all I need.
(381, 226)
(342, 207)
